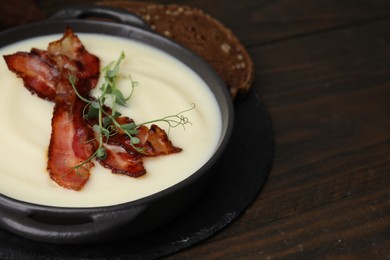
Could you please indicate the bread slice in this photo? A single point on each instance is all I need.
(202, 34)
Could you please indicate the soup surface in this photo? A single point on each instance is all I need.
(166, 87)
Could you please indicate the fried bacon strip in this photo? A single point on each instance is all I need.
(72, 143)
(39, 77)
(119, 161)
(69, 146)
(123, 158)
(46, 74)
(153, 142)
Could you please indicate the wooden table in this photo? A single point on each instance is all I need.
(323, 72)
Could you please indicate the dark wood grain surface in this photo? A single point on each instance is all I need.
(322, 69)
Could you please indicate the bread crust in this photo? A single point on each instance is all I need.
(201, 33)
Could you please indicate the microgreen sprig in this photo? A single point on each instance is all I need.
(107, 125)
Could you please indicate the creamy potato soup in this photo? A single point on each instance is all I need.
(166, 87)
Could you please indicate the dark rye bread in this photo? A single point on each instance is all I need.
(202, 34)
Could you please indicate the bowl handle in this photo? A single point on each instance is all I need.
(91, 11)
(95, 227)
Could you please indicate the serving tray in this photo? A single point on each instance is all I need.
(241, 173)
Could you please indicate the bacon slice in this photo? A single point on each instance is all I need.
(38, 76)
(122, 162)
(85, 65)
(70, 143)
(69, 146)
(153, 142)
(158, 139)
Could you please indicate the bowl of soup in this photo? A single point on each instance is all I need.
(110, 206)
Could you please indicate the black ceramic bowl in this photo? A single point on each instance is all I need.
(97, 224)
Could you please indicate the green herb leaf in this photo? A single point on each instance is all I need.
(92, 112)
(135, 140)
(107, 121)
(101, 153)
(111, 74)
(105, 132)
(96, 128)
(116, 114)
(128, 126)
(119, 98)
(132, 132)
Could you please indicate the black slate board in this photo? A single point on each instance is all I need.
(241, 173)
